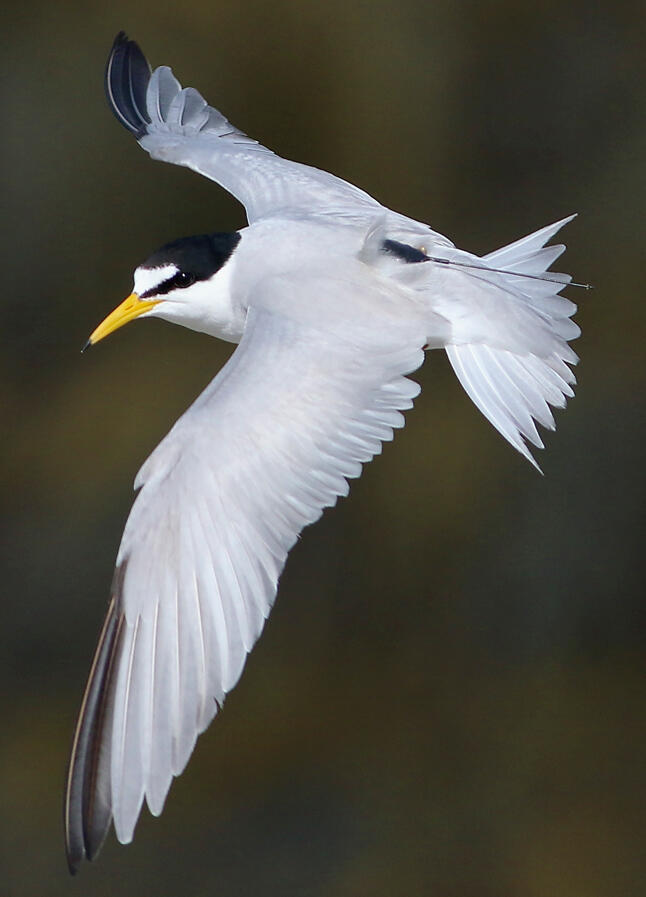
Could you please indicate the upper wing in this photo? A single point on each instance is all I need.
(271, 442)
(177, 125)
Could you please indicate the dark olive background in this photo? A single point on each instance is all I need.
(449, 695)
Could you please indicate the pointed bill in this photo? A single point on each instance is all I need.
(131, 307)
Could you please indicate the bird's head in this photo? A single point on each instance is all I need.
(181, 283)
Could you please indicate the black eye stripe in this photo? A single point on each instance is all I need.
(180, 280)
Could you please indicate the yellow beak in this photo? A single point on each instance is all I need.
(129, 309)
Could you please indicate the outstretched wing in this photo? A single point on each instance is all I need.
(271, 442)
(175, 124)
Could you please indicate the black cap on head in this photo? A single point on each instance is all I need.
(196, 258)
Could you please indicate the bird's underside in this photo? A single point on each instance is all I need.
(318, 382)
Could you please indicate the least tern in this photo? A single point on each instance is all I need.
(333, 299)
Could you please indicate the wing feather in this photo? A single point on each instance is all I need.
(88, 811)
(175, 124)
(271, 442)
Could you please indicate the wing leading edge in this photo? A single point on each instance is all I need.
(175, 124)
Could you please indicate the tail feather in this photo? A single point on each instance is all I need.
(536, 262)
(508, 255)
(470, 366)
(515, 385)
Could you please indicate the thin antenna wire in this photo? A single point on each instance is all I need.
(554, 278)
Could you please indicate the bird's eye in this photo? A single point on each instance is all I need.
(184, 279)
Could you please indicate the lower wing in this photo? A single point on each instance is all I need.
(271, 442)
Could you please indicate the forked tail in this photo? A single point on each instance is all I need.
(511, 351)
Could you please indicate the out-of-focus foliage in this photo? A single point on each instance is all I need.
(448, 698)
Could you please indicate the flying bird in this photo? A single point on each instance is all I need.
(332, 299)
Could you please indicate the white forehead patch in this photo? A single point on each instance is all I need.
(149, 278)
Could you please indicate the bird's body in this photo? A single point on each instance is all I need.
(333, 299)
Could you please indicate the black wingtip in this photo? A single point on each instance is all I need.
(87, 811)
(127, 74)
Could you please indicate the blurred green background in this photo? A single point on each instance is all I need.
(448, 697)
